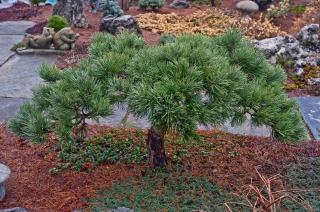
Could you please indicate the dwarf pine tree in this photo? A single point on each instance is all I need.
(201, 80)
(179, 85)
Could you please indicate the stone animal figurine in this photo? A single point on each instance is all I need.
(43, 41)
(65, 39)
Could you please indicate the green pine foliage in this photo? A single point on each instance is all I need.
(151, 4)
(57, 22)
(188, 81)
(49, 73)
(30, 123)
(202, 80)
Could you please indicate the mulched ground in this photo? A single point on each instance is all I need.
(230, 164)
(19, 11)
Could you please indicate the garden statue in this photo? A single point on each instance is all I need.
(42, 41)
(65, 39)
(4, 175)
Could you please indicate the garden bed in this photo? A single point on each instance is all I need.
(227, 160)
(19, 11)
(40, 181)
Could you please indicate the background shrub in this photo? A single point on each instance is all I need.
(150, 4)
(37, 2)
(57, 22)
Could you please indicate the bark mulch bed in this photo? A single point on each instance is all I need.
(230, 164)
(32, 186)
(19, 11)
(37, 29)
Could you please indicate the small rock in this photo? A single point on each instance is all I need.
(270, 46)
(121, 209)
(17, 209)
(4, 175)
(308, 35)
(116, 25)
(299, 71)
(179, 4)
(247, 6)
(314, 81)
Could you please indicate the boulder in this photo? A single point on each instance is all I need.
(289, 50)
(179, 4)
(4, 175)
(308, 35)
(270, 46)
(115, 25)
(247, 6)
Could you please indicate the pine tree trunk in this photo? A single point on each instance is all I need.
(72, 10)
(156, 150)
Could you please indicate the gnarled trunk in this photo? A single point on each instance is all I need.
(72, 10)
(156, 150)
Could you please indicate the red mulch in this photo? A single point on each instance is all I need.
(19, 11)
(230, 164)
(37, 29)
(72, 58)
(33, 187)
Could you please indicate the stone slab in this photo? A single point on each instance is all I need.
(15, 27)
(9, 107)
(6, 43)
(310, 109)
(20, 74)
(40, 52)
(4, 173)
(17, 209)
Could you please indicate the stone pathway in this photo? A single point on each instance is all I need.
(310, 109)
(18, 74)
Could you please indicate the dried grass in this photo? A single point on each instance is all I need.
(208, 22)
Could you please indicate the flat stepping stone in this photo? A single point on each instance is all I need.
(9, 107)
(11, 33)
(4, 175)
(310, 109)
(20, 74)
(15, 27)
(6, 43)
